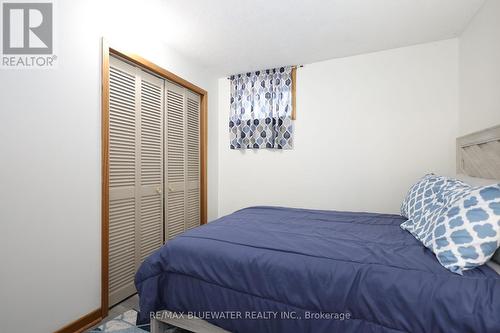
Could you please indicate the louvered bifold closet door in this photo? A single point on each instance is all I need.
(182, 162)
(193, 160)
(135, 173)
(175, 160)
(151, 164)
(123, 120)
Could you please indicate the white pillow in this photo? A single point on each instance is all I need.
(476, 182)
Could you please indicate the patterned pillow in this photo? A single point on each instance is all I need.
(425, 200)
(413, 202)
(466, 233)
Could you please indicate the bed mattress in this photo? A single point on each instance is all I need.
(272, 269)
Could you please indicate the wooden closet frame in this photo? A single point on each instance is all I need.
(107, 51)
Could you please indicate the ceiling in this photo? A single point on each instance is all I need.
(233, 36)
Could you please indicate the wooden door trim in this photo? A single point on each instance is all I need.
(107, 51)
(105, 179)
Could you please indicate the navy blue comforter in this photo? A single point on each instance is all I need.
(315, 271)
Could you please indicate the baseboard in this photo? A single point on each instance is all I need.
(83, 323)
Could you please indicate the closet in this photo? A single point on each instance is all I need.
(154, 168)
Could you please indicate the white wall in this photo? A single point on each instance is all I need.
(367, 126)
(480, 70)
(50, 164)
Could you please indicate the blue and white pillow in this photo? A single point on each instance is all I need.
(466, 233)
(413, 203)
(424, 202)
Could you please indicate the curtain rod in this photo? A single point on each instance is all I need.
(294, 66)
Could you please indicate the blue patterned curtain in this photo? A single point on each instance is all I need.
(261, 109)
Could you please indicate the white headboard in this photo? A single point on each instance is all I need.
(478, 155)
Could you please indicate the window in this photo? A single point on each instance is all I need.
(262, 106)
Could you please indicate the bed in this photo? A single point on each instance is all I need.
(314, 271)
(294, 261)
